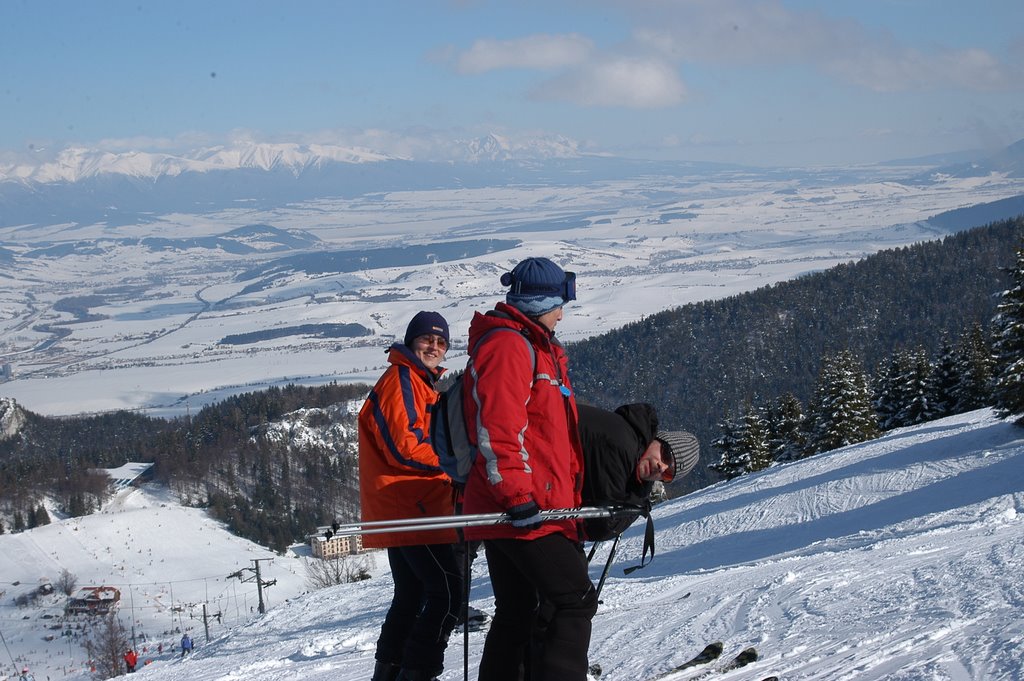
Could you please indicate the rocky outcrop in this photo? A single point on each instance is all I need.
(12, 418)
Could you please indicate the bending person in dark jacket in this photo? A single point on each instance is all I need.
(624, 454)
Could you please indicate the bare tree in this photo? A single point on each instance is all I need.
(324, 572)
(67, 582)
(106, 645)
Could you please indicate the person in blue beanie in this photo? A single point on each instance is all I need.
(523, 421)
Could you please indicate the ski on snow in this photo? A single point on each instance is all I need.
(709, 654)
(742, 660)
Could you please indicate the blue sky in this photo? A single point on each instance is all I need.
(763, 82)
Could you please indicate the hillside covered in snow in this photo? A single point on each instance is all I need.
(898, 558)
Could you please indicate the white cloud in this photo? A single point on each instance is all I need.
(877, 132)
(586, 76)
(532, 52)
(644, 71)
(632, 82)
(897, 70)
(737, 32)
(741, 32)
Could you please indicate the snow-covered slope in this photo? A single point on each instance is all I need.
(166, 560)
(894, 559)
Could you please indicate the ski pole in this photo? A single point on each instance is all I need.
(476, 520)
(399, 522)
(460, 520)
(473, 520)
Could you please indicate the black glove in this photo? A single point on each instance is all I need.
(525, 515)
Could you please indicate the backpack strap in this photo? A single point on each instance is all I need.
(648, 541)
(607, 565)
(529, 346)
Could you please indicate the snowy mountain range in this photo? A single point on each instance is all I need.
(81, 185)
(75, 164)
(895, 559)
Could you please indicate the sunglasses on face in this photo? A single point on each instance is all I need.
(427, 341)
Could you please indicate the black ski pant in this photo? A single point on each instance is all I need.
(426, 604)
(524, 574)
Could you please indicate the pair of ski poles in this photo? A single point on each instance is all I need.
(473, 520)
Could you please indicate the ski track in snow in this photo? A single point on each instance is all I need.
(862, 604)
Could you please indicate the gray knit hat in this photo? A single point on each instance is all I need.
(682, 447)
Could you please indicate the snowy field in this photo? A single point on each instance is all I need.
(898, 559)
(147, 328)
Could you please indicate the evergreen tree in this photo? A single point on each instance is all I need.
(841, 413)
(945, 379)
(917, 390)
(753, 440)
(1008, 346)
(76, 506)
(889, 397)
(743, 444)
(787, 438)
(37, 516)
(975, 368)
(732, 463)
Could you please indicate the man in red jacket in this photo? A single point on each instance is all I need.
(400, 477)
(520, 404)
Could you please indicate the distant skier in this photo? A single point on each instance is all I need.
(131, 658)
(186, 644)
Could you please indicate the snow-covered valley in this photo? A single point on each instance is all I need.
(167, 312)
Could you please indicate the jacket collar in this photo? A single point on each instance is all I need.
(399, 354)
(537, 331)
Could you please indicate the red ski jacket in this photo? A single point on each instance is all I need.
(523, 422)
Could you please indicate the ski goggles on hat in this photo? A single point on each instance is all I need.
(566, 290)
